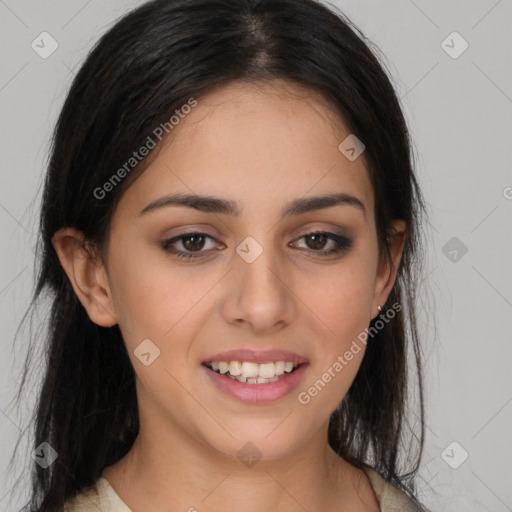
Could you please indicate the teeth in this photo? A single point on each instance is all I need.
(235, 368)
(223, 367)
(279, 368)
(250, 369)
(253, 373)
(267, 370)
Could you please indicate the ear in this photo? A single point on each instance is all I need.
(386, 273)
(87, 275)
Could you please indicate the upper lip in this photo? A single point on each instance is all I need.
(257, 356)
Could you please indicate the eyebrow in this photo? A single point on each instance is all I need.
(210, 204)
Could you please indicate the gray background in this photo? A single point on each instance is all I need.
(459, 111)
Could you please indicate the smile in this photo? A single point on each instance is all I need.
(253, 382)
(248, 372)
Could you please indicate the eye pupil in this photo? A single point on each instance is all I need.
(198, 244)
(319, 240)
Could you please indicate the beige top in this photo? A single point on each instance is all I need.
(101, 497)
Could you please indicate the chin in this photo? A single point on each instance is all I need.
(257, 441)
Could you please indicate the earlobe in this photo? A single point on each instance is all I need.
(86, 274)
(387, 270)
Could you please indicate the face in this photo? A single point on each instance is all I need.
(244, 271)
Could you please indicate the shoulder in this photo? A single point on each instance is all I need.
(390, 498)
(100, 496)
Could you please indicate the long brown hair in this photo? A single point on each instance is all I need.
(144, 68)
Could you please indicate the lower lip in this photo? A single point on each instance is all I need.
(257, 393)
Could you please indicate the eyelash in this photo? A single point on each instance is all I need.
(343, 242)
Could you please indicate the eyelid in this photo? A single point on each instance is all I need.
(181, 236)
(342, 242)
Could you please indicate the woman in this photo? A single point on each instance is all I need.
(228, 227)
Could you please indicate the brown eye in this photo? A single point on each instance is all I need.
(317, 242)
(188, 245)
(193, 242)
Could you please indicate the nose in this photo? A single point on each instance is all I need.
(260, 295)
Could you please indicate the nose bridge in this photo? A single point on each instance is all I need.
(259, 275)
(257, 269)
(259, 293)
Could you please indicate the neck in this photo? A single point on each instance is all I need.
(161, 470)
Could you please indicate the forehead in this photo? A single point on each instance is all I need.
(258, 144)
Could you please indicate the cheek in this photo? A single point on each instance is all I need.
(340, 302)
(165, 305)
(340, 315)
(341, 299)
(146, 292)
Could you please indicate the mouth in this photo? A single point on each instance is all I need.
(254, 383)
(248, 372)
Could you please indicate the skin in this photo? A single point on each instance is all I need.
(261, 146)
